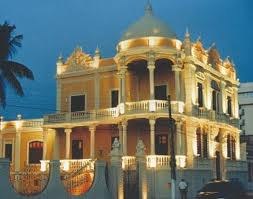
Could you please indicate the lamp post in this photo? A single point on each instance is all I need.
(172, 151)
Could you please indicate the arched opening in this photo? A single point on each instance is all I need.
(218, 165)
(199, 144)
(200, 94)
(35, 152)
(164, 79)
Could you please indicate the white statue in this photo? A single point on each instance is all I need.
(140, 147)
(115, 147)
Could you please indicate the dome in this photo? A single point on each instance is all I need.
(148, 25)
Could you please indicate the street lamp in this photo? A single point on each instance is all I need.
(172, 151)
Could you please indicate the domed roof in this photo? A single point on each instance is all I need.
(148, 25)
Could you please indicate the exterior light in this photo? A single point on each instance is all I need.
(181, 161)
(43, 165)
(65, 165)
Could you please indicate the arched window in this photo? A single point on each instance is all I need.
(228, 146)
(200, 95)
(199, 144)
(229, 105)
(205, 145)
(215, 95)
(233, 148)
(35, 152)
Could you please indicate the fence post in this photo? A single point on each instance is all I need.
(141, 169)
(6, 190)
(117, 187)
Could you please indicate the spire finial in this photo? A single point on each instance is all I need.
(97, 52)
(148, 8)
(187, 34)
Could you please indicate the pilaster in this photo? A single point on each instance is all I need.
(45, 138)
(124, 136)
(67, 141)
(177, 71)
(92, 130)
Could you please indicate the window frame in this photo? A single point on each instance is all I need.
(27, 150)
(75, 95)
(9, 141)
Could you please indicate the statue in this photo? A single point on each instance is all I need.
(115, 147)
(140, 147)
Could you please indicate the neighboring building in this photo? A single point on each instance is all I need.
(246, 125)
(125, 97)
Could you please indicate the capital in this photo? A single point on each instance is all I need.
(67, 131)
(176, 67)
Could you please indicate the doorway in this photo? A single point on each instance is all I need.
(77, 149)
(161, 144)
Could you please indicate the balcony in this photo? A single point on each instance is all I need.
(129, 108)
(201, 112)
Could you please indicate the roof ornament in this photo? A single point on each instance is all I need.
(97, 52)
(60, 59)
(148, 8)
(187, 34)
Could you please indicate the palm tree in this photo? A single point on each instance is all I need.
(11, 71)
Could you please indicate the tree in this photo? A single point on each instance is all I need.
(11, 71)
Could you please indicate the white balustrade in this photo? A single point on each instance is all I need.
(80, 115)
(163, 161)
(32, 123)
(128, 162)
(69, 165)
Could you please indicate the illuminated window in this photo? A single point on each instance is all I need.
(35, 152)
(77, 149)
(77, 103)
(8, 151)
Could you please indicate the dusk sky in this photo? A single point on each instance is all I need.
(53, 27)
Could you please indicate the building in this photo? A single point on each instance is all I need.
(246, 112)
(125, 97)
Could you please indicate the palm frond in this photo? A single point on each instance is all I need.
(18, 69)
(2, 92)
(12, 80)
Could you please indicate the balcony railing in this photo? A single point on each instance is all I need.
(201, 112)
(236, 165)
(110, 113)
(163, 161)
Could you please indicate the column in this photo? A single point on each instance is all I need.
(67, 141)
(124, 136)
(235, 104)
(120, 136)
(58, 95)
(152, 136)
(97, 87)
(45, 137)
(180, 139)
(223, 97)
(17, 150)
(177, 71)
(122, 90)
(56, 153)
(208, 95)
(190, 86)
(151, 68)
(92, 130)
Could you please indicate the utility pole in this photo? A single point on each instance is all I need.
(172, 151)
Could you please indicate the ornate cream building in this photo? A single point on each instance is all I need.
(125, 97)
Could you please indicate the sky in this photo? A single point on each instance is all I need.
(54, 27)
